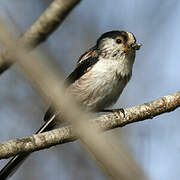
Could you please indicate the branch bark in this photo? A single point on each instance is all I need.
(42, 28)
(104, 122)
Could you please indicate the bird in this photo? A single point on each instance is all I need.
(96, 83)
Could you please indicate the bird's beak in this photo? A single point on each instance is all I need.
(136, 46)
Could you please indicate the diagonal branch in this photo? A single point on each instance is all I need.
(42, 27)
(105, 122)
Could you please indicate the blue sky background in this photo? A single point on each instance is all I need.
(154, 143)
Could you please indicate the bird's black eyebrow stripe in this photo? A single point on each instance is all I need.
(114, 34)
(124, 35)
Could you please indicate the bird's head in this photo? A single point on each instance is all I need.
(116, 43)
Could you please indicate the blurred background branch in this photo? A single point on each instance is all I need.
(42, 27)
(105, 122)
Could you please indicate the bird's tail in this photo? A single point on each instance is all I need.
(10, 168)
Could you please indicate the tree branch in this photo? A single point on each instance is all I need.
(42, 28)
(105, 122)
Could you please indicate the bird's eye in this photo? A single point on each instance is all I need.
(118, 41)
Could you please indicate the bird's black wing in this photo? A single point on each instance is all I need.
(87, 60)
(81, 69)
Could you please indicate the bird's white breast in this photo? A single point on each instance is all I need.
(101, 86)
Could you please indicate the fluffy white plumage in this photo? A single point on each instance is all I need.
(102, 85)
